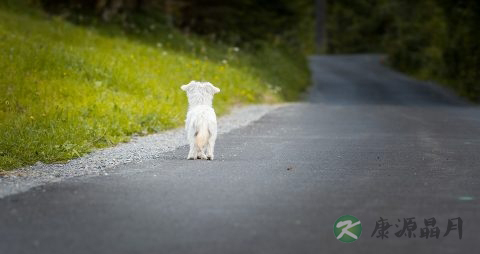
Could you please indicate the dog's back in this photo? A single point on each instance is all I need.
(201, 125)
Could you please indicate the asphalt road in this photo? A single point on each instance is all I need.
(369, 142)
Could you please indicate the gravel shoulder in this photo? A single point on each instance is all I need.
(137, 150)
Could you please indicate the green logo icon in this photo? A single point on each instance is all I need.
(347, 229)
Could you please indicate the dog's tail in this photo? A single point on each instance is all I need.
(202, 135)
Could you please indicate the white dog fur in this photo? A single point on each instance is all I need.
(201, 123)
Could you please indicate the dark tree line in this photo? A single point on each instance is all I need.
(104, 8)
(237, 21)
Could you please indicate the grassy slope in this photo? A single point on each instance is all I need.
(66, 89)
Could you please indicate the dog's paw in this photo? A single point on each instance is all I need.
(191, 158)
(202, 156)
(210, 157)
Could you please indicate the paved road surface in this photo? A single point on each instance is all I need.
(369, 143)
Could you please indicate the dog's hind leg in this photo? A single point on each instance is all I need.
(210, 147)
(192, 154)
(211, 144)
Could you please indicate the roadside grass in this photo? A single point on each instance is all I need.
(67, 89)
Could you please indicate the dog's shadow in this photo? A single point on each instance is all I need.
(179, 154)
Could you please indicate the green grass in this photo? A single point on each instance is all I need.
(67, 89)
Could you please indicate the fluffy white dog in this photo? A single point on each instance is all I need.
(201, 123)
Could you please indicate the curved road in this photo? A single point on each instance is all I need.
(369, 142)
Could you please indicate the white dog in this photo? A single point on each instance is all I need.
(201, 123)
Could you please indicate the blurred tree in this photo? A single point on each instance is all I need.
(461, 52)
(245, 20)
(431, 39)
(320, 35)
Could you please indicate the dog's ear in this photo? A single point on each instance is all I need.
(185, 87)
(213, 89)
